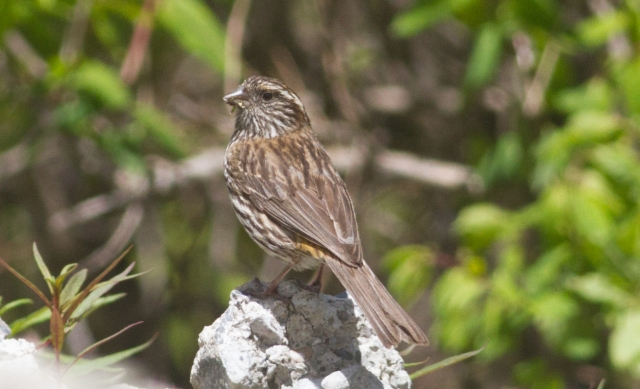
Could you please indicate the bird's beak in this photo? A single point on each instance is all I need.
(237, 98)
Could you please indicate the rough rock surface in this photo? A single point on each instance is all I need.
(18, 366)
(310, 341)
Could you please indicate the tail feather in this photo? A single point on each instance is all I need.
(390, 322)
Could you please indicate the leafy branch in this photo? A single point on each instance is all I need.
(69, 302)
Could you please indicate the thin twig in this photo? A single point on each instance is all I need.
(129, 223)
(89, 288)
(534, 97)
(28, 283)
(13, 161)
(618, 45)
(89, 209)
(73, 39)
(429, 171)
(233, 44)
(139, 42)
(99, 343)
(22, 50)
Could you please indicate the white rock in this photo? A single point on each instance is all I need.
(315, 341)
(19, 369)
(335, 380)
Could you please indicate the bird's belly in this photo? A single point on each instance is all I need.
(275, 241)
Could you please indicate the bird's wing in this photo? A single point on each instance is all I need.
(313, 204)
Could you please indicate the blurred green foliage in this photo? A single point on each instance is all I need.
(567, 264)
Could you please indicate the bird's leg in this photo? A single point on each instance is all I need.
(316, 282)
(273, 285)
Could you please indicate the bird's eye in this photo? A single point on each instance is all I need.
(266, 96)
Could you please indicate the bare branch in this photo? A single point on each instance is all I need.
(139, 42)
(22, 50)
(74, 34)
(618, 45)
(233, 44)
(127, 227)
(13, 161)
(429, 171)
(534, 98)
(166, 175)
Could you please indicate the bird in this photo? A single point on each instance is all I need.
(293, 203)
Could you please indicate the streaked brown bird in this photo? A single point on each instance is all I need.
(292, 202)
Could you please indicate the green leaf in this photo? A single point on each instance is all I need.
(73, 286)
(93, 300)
(103, 83)
(505, 279)
(534, 373)
(196, 28)
(619, 162)
(85, 366)
(40, 316)
(64, 273)
(485, 57)
(14, 304)
(121, 278)
(82, 296)
(539, 13)
(585, 128)
(599, 189)
(44, 270)
(96, 292)
(504, 161)
(457, 303)
(581, 348)
(447, 362)
(458, 291)
(592, 127)
(160, 129)
(480, 224)
(629, 82)
(178, 327)
(68, 269)
(409, 271)
(545, 271)
(599, 29)
(624, 343)
(595, 95)
(420, 18)
(591, 220)
(74, 116)
(598, 288)
(553, 154)
(80, 314)
(628, 236)
(552, 314)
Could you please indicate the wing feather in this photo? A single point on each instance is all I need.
(318, 209)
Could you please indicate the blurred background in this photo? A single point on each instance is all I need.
(491, 149)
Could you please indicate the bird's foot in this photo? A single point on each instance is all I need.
(316, 283)
(314, 286)
(258, 290)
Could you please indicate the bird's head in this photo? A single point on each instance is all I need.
(266, 108)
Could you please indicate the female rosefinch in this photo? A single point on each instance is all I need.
(293, 203)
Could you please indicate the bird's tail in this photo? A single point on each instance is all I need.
(390, 322)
